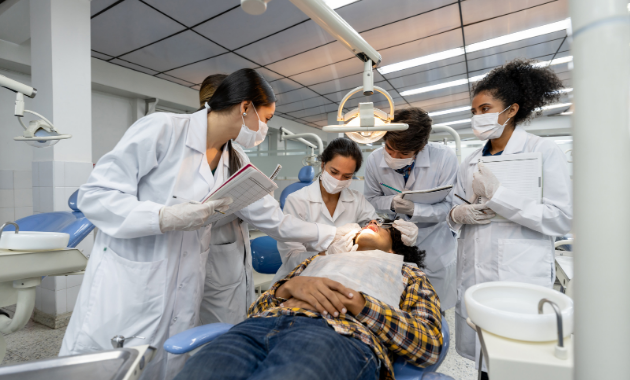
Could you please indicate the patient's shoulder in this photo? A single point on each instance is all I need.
(413, 273)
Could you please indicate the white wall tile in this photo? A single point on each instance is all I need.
(46, 199)
(45, 174)
(48, 301)
(74, 280)
(23, 197)
(58, 174)
(23, 212)
(60, 301)
(68, 192)
(77, 173)
(6, 198)
(60, 201)
(38, 297)
(6, 179)
(22, 179)
(72, 294)
(36, 200)
(7, 215)
(35, 173)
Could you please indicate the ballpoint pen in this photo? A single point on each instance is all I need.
(466, 201)
(188, 200)
(389, 187)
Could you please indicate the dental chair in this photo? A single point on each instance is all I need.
(306, 175)
(73, 223)
(197, 337)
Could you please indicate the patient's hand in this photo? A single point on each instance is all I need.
(322, 293)
(355, 304)
(295, 303)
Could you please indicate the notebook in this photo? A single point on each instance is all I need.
(521, 173)
(245, 187)
(429, 197)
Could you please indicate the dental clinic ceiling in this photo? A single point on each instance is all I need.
(183, 41)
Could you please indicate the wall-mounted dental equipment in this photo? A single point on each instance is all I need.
(39, 133)
(311, 160)
(364, 124)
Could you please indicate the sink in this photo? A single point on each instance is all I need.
(33, 240)
(510, 309)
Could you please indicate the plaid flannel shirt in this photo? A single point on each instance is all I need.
(413, 332)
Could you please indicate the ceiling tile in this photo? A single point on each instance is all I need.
(555, 36)
(128, 26)
(175, 51)
(98, 5)
(304, 104)
(237, 28)
(316, 118)
(133, 66)
(531, 52)
(174, 80)
(436, 93)
(315, 110)
(284, 85)
(428, 77)
(223, 64)
(326, 73)
(516, 22)
(296, 40)
(313, 59)
(98, 55)
(419, 48)
(339, 95)
(269, 75)
(192, 12)
(440, 103)
(426, 67)
(196, 87)
(479, 10)
(426, 24)
(296, 96)
(344, 84)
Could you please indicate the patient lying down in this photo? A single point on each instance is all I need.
(309, 326)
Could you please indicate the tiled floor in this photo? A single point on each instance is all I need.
(37, 341)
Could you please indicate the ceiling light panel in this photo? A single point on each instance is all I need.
(519, 36)
(432, 102)
(455, 122)
(421, 60)
(547, 38)
(418, 79)
(542, 51)
(334, 4)
(450, 111)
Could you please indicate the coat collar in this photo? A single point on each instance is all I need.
(198, 131)
(514, 146)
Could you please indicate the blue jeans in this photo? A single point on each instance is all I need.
(286, 347)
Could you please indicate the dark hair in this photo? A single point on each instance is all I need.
(208, 87)
(342, 147)
(416, 137)
(410, 254)
(241, 85)
(520, 82)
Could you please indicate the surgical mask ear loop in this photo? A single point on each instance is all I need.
(508, 119)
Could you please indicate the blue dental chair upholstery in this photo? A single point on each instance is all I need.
(73, 223)
(199, 336)
(306, 175)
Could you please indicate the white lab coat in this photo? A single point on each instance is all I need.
(308, 205)
(139, 281)
(436, 165)
(520, 249)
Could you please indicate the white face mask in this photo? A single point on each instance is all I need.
(396, 163)
(248, 138)
(486, 126)
(332, 184)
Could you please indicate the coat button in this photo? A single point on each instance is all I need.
(185, 253)
(181, 285)
(174, 319)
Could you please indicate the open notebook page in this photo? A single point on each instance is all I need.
(521, 173)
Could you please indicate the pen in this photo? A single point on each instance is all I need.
(389, 187)
(466, 201)
(188, 200)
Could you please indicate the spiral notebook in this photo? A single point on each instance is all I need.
(245, 187)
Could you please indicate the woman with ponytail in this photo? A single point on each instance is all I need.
(145, 277)
(519, 245)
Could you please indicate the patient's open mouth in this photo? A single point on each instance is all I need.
(372, 227)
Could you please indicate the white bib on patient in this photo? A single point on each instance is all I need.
(375, 273)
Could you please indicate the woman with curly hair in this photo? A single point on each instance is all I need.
(519, 247)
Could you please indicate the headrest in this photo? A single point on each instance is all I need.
(306, 174)
(72, 201)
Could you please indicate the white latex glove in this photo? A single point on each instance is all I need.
(402, 206)
(343, 231)
(344, 244)
(484, 183)
(190, 216)
(472, 214)
(408, 231)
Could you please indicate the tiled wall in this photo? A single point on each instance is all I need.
(55, 181)
(16, 195)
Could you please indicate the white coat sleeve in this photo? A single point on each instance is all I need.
(437, 212)
(266, 215)
(372, 189)
(460, 189)
(109, 199)
(365, 211)
(552, 217)
(293, 253)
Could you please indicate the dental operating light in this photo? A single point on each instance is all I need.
(39, 133)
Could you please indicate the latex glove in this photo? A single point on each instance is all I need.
(190, 216)
(402, 206)
(345, 243)
(472, 214)
(343, 230)
(408, 231)
(484, 183)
